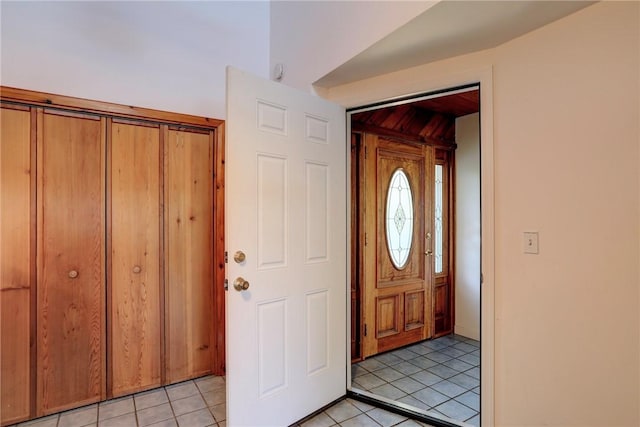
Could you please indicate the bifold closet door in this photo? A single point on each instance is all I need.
(16, 261)
(135, 296)
(189, 253)
(70, 260)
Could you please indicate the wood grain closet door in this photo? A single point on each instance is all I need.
(189, 253)
(71, 271)
(16, 261)
(134, 249)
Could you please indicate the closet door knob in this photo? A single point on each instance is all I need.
(73, 274)
(137, 269)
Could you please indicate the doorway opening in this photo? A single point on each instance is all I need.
(415, 253)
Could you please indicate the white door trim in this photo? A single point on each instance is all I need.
(371, 93)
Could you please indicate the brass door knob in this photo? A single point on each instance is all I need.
(137, 269)
(73, 274)
(428, 253)
(240, 284)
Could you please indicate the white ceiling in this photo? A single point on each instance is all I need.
(448, 29)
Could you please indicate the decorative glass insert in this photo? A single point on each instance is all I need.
(438, 221)
(399, 218)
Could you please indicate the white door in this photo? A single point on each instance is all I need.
(286, 212)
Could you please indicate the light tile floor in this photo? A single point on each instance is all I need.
(196, 403)
(201, 403)
(441, 375)
(352, 413)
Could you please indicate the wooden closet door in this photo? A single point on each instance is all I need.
(16, 261)
(71, 253)
(134, 249)
(189, 253)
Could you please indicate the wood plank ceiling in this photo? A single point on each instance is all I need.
(431, 120)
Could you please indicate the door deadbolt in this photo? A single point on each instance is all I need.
(239, 257)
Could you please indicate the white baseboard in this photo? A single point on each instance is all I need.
(473, 333)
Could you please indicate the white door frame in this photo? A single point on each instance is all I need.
(371, 93)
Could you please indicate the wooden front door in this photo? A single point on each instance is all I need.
(398, 244)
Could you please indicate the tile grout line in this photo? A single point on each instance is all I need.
(135, 410)
(171, 404)
(215, 422)
(440, 349)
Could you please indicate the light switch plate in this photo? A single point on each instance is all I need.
(530, 242)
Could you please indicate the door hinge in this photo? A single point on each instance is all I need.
(226, 257)
(366, 239)
(365, 329)
(481, 278)
(226, 285)
(365, 152)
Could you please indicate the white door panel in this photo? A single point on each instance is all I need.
(286, 210)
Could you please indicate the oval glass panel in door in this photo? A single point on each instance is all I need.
(399, 218)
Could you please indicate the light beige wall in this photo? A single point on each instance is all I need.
(566, 163)
(311, 38)
(467, 226)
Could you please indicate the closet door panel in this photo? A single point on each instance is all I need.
(134, 316)
(71, 271)
(189, 251)
(16, 260)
